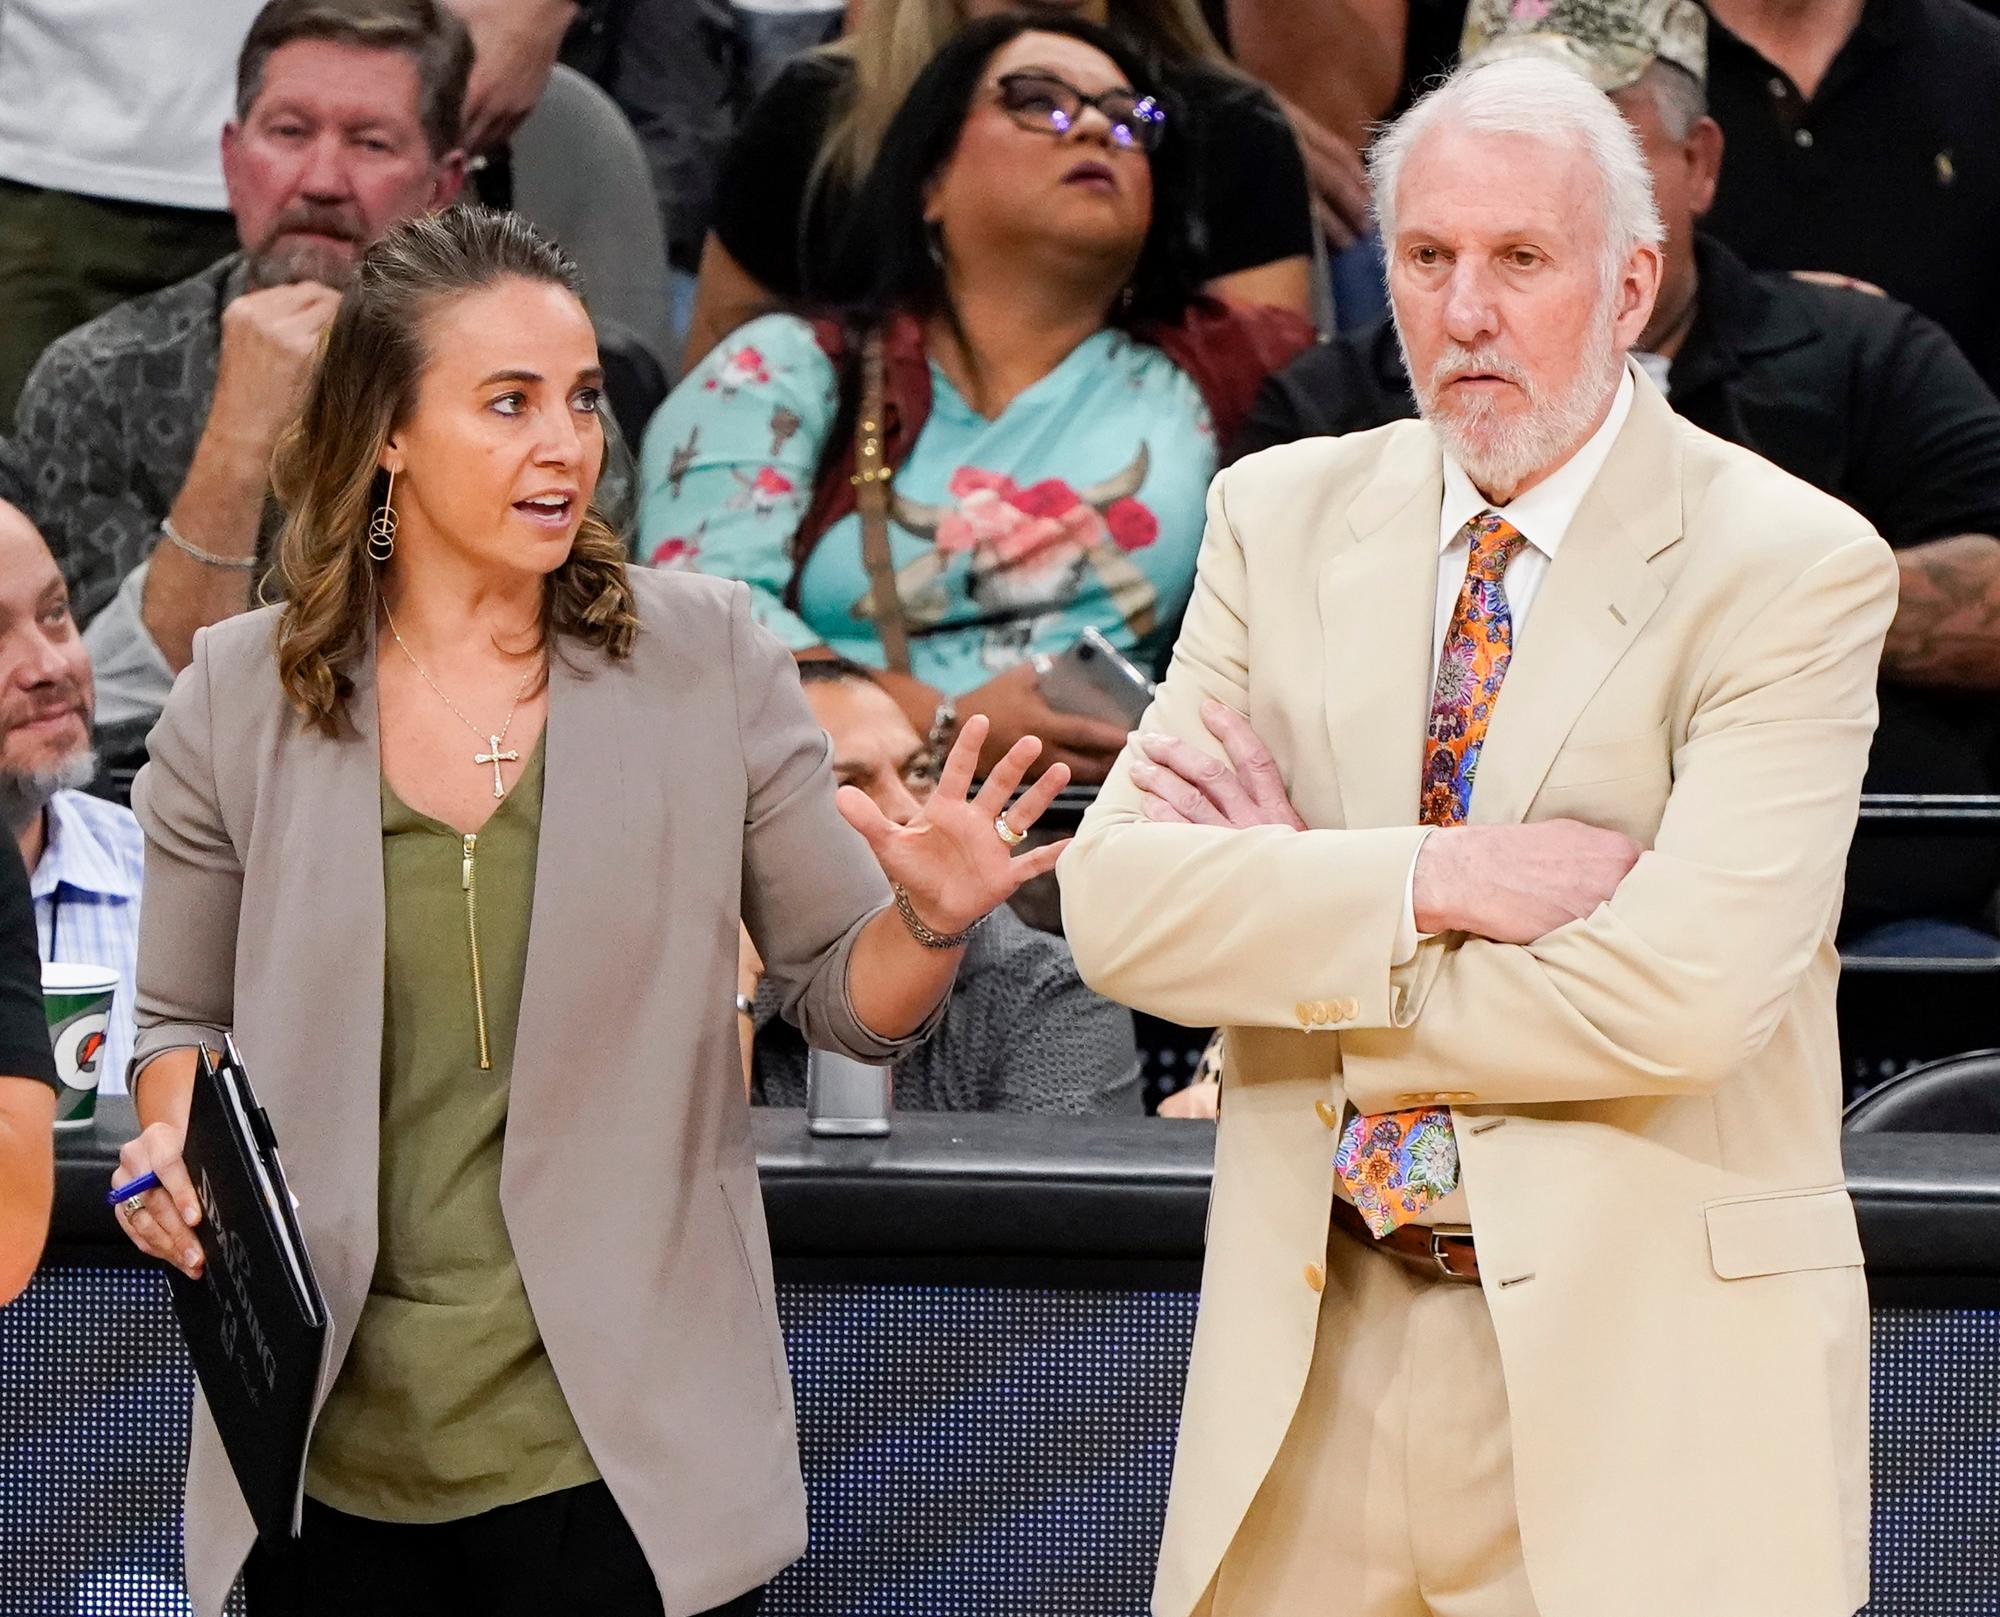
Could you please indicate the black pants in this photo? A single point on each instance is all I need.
(566, 1554)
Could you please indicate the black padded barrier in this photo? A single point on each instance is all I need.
(988, 1321)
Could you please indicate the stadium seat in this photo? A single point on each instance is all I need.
(1959, 1095)
(580, 174)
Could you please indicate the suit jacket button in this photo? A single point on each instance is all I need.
(1304, 1013)
(1350, 1009)
(1329, 1114)
(1315, 1277)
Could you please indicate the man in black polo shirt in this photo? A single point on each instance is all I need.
(27, 1085)
(1864, 138)
(1852, 392)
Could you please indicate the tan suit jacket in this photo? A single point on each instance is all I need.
(678, 782)
(1647, 1101)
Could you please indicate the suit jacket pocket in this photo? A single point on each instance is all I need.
(1782, 1231)
(753, 1248)
(1590, 763)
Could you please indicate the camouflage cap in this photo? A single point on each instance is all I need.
(1611, 42)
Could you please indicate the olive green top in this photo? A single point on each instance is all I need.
(446, 1405)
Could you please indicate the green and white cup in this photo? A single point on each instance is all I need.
(77, 1002)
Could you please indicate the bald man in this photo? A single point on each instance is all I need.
(84, 856)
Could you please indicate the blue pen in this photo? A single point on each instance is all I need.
(133, 1187)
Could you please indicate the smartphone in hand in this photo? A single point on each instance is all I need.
(1096, 680)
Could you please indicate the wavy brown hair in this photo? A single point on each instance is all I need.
(327, 477)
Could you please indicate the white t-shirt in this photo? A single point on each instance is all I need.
(120, 98)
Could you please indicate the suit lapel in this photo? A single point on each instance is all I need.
(581, 857)
(1377, 602)
(337, 869)
(1599, 593)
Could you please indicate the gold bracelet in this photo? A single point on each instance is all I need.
(929, 937)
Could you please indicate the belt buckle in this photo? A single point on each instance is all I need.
(1441, 1233)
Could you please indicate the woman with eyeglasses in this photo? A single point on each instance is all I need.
(1052, 392)
(808, 141)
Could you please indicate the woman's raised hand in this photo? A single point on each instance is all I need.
(952, 859)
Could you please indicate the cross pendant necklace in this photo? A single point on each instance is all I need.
(493, 754)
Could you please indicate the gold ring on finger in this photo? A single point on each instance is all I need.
(129, 1209)
(1006, 833)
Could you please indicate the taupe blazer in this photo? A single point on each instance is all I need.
(1647, 1100)
(685, 785)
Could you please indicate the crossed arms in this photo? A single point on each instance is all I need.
(1658, 978)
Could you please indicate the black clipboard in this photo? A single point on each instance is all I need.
(255, 1322)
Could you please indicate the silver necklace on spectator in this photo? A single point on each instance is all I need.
(492, 755)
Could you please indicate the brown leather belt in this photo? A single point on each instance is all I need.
(1441, 1251)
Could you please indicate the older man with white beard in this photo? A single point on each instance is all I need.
(85, 857)
(1532, 1285)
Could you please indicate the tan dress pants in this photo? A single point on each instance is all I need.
(1393, 1492)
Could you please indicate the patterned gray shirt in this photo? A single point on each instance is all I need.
(1021, 1034)
(107, 426)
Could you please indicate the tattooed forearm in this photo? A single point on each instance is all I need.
(1947, 628)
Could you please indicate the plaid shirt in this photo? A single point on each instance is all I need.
(86, 893)
(107, 426)
(1021, 1034)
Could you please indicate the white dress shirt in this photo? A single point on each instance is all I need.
(86, 888)
(1542, 516)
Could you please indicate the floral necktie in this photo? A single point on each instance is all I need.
(1396, 1164)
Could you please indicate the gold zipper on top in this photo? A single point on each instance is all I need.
(468, 880)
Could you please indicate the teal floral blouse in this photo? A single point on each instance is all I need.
(1080, 505)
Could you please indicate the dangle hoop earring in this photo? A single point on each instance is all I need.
(382, 529)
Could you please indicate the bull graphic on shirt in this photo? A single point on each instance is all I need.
(1030, 550)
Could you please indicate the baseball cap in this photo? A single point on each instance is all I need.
(1611, 42)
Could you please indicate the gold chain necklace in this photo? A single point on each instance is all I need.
(492, 755)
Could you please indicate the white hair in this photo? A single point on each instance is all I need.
(1543, 100)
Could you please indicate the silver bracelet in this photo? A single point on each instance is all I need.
(179, 541)
(929, 936)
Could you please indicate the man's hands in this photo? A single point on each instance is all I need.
(268, 341)
(1509, 883)
(1517, 883)
(1016, 709)
(1202, 1101)
(514, 46)
(1181, 784)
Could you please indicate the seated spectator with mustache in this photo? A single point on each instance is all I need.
(1052, 388)
(142, 439)
(85, 857)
